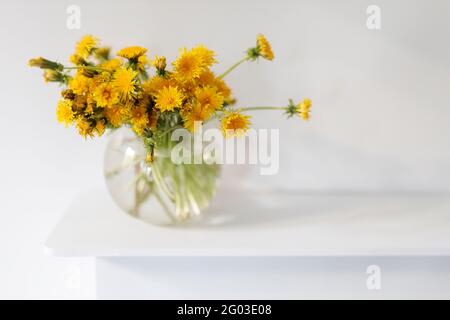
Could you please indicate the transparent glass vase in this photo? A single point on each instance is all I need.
(161, 192)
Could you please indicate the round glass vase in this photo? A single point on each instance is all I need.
(160, 192)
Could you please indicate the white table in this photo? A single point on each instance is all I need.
(268, 245)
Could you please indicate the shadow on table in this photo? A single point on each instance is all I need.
(245, 209)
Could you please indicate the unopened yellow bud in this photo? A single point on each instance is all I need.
(53, 76)
(159, 63)
(102, 53)
(45, 64)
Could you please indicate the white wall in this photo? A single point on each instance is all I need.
(380, 119)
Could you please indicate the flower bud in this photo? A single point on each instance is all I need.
(160, 63)
(54, 76)
(45, 64)
(68, 94)
(102, 53)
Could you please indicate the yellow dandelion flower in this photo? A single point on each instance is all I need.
(307, 102)
(168, 98)
(264, 47)
(206, 55)
(139, 119)
(153, 85)
(223, 89)
(125, 82)
(86, 45)
(194, 113)
(132, 52)
(303, 109)
(209, 98)
(84, 127)
(187, 88)
(114, 115)
(206, 78)
(106, 95)
(188, 66)
(80, 84)
(305, 116)
(64, 112)
(235, 124)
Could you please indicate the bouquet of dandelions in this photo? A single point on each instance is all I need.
(101, 92)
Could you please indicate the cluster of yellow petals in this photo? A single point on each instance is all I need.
(125, 81)
(188, 66)
(264, 47)
(80, 83)
(106, 95)
(132, 52)
(64, 112)
(108, 92)
(85, 46)
(234, 123)
(115, 115)
(168, 98)
(304, 108)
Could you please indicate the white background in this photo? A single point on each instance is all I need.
(380, 117)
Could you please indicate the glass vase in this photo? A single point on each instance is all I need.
(160, 192)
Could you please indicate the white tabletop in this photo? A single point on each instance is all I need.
(264, 224)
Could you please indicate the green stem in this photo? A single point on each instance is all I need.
(137, 201)
(180, 189)
(112, 173)
(234, 66)
(87, 67)
(160, 181)
(171, 129)
(164, 206)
